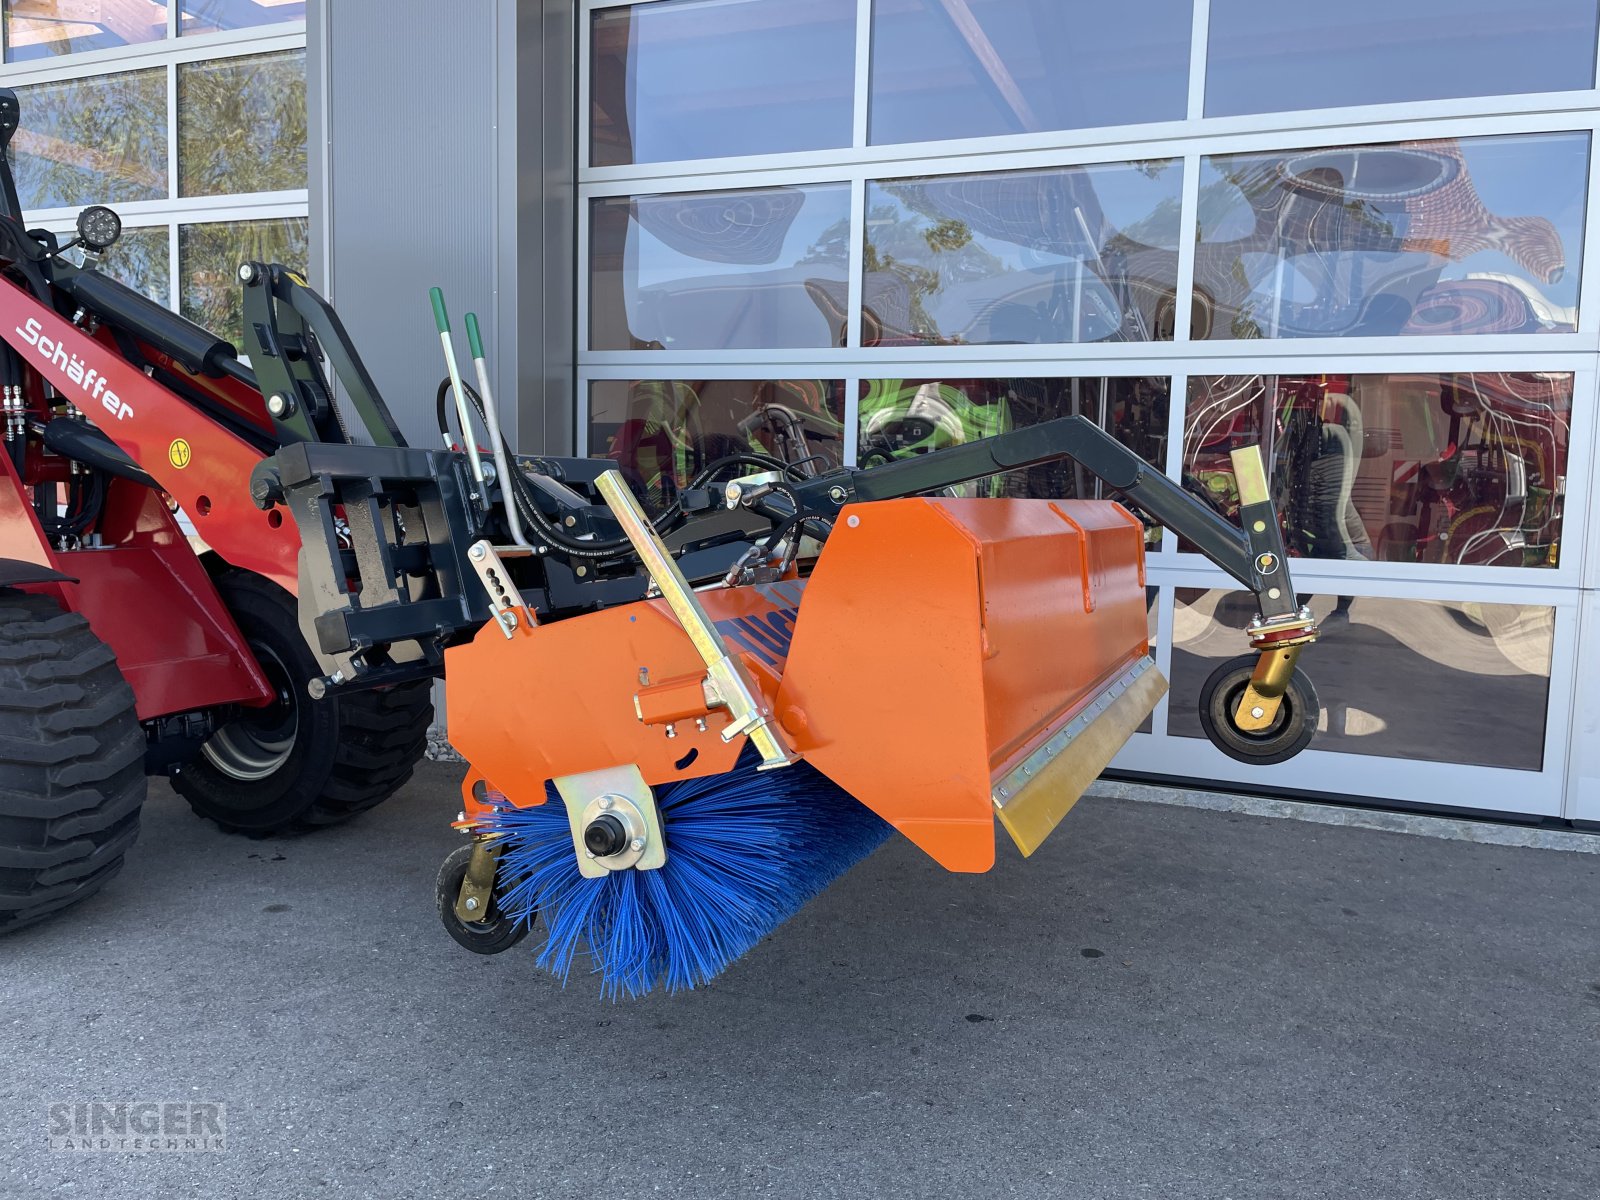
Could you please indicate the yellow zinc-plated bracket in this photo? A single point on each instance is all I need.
(1281, 635)
(727, 685)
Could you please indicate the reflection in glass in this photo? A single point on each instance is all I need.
(757, 269)
(1456, 236)
(92, 141)
(902, 417)
(38, 29)
(208, 266)
(1380, 52)
(1405, 467)
(212, 16)
(242, 124)
(1432, 681)
(1076, 254)
(663, 433)
(977, 68)
(142, 259)
(709, 78)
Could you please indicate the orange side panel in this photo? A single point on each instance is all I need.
(558, 699)
(938, 636)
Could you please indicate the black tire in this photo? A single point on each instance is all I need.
(71, 761)
(492, 935)
(299, 763)
(1290, 732)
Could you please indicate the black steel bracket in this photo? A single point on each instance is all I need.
(289, 330)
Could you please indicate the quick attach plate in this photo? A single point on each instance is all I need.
(622, 792)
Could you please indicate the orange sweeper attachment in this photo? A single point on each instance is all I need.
(682, 725)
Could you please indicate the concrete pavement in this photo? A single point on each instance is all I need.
(1163, 1003)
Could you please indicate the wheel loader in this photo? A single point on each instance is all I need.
(125, 650)
(682, 717)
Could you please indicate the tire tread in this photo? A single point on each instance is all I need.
(71, 758)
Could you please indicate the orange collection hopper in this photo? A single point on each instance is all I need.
(945, 661)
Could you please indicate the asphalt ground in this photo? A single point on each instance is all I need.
(1162, 1003)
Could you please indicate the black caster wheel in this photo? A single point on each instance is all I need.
(1290, 732)
(489, 936)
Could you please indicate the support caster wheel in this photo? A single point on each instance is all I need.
(493, 934)
(1290, 732)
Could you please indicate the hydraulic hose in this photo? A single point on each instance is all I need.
(517, 488)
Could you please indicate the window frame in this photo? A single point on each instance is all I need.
(1552, 791)
(168, 54)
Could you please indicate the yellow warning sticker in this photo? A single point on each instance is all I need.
(179, 454)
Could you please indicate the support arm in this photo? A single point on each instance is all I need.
(1253, 554)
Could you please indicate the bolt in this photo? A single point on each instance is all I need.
(570, 522)
(853, 522)
(508, 619)
(636, 844)
(605, 801)
(278, 405)
(477, 553)
(247, 272)
(672, 731)
(1258, 712)
(581, 572)
(836, 494)
(462, 815)
(472, 904)
(700, 724)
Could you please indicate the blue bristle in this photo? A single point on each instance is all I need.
(745, 851)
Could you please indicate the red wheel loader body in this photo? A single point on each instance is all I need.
(140, 583)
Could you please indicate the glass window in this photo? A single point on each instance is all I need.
(50, 28)
(758, 269)
(142, 259)
(711, 78)
(664, 432)
(1076, 254)
(1266, 56)
(208, 265)
(96, 140)
(1456, 236)
(1432, 681)
(901, 417)
(242, 124)
(1406, 467)
(977, 68)
(213, 16)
